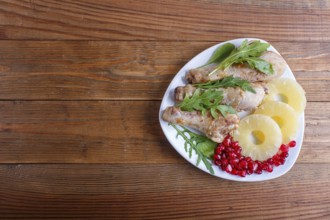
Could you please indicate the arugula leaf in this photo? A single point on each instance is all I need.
(221, 53)
(260, 65)
(226, 82)
(204, 100)
(247, 52)
(206, 147)
(203, 146)
(224, 109)
(201, 100)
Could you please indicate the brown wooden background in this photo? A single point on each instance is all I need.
(80, 88)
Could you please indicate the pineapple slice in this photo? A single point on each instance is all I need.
(288, 91)
(259, 137)
(285, 117)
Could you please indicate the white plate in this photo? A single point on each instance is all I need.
(178, 143)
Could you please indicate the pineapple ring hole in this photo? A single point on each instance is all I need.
(282, 98)
(278, 120)
(257, 137)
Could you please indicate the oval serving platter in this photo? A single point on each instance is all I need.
(178, 142)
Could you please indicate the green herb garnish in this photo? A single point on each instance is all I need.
(248, 53)
(204, 100)
(202, 145)
(224, 110)
(226, 82)
(221, 53)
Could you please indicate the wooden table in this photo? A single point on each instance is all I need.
(81, 85)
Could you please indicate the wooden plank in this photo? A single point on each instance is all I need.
(113, 132)
(82, 132)
(107, 70)
(160, 191)
(164, 20)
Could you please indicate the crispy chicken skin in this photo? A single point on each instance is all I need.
(215, 129)
(236, 97)
(243, 71)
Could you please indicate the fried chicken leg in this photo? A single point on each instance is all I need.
(243, 71)
(215, 129)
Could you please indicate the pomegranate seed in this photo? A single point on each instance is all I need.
(242, 173)
(232, 155)
(264, 165)
(270, 160)
(269, 168)
(248, 159)
(249, 171)
(223, 167)
(216, 157)
(234, 161)
(284, 148)
(217, 162)
(229, 168)
(284, 154)
(226, 142)
(250, 165)
(259, 167)
(243, 164)
(234, 172)
(276, 163)
(218, 150)
(292, 144)
(235, 145)
(276, 157)
(224, 161)
(230, 149)
(237, 167)
(238, 151)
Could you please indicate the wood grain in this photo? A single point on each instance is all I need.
(116, 70)
(82, 132)
(165, 191)
(80, 89)
(113, 132)
(164, 20)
